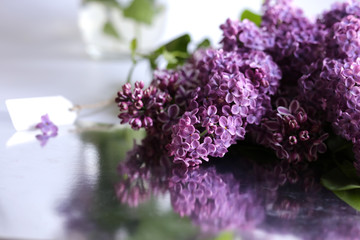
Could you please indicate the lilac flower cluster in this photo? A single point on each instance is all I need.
(236, 88)
(332, 84)
(245, 34)
(140, 106)
(298, 41)
(200, 109)
(48, 130)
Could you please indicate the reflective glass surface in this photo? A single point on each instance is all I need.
(85, 184)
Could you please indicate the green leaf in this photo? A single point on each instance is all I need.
(110, 30)
(204, 44)
(169, 57)
(255, 18)
(344, 183)
(176, 48)
(179, 44)
(142, 11)
(336, 180)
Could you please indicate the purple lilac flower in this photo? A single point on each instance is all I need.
(245, 34)
(347, 36)
(141, 106)
(237, 88)
(338, 11)
(292, 132)
(298, 41)
(214, 96)
(48, 130)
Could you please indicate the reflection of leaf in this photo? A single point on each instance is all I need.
(225, 236)
(110, 3)
(255, 18)
(142, 11)
(344, 183)
(351, 197)
(110, 30)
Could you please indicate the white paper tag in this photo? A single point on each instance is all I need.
(25, 113)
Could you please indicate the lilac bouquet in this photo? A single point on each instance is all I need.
(289, 84)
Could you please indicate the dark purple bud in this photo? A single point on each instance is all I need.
(292, 140)
(136, 123)
(301, 116)
(147, 122)
(138, 94)
(139, 85)
(139, 104)
(264, 83)
(123, 106)
(293, 124)
(126, 89)
(277, 137)
(304, 135)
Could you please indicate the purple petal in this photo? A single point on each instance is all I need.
(283, 111)
(173, 111)
(229, 98)
(223, 121)
(294, 106)
(211, 110)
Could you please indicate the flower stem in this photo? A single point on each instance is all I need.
(79, 107)
(203, 133)
(128, 80)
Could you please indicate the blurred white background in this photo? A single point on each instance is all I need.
(42, 53)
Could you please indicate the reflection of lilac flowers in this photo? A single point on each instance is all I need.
(214, 201)
(237, 194)
(48, 130)
(142, 172)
